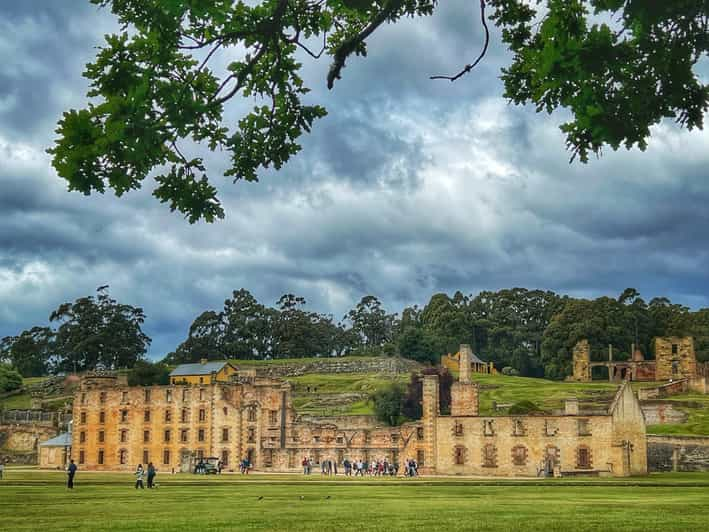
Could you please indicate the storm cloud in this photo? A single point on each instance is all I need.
(408, 187)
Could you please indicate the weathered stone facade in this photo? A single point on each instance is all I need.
(678, 453)
(116, 427)
(674, 359)
(582, 361)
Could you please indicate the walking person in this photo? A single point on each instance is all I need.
(71, 471)
(151, 475)
(139, 474)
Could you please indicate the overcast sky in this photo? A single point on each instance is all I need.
(409, 187)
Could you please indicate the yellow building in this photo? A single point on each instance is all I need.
(452, 362)
(203, 372)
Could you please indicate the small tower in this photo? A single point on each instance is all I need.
(582, 361)
(464, 393)
(431, 411)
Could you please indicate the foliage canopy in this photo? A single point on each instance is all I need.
(617, 66)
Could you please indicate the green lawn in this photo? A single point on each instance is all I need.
(39, 501)
(338, 394)
(698, 412)
(544, 393)
(21, 401)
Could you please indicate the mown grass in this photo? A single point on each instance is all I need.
(21, 401)
(39, 501)
(697, 422)
(338, 394)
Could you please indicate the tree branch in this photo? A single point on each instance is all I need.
(351, 44)
(472, 65)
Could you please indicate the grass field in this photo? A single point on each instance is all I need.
(698, 412)
(39, 501)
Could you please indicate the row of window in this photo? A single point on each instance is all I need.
(167, 435)
(184, 415)
(340, 440)
(123, 458)
(147, 416)
(147, 396)
(583, 428)
(520, 456)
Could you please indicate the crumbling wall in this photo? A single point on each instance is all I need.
(582, 361)
(336, 365)
(675, 358)
(677, 453)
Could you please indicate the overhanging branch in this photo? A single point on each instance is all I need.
(472, 65)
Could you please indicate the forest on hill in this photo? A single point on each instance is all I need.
(530, 331)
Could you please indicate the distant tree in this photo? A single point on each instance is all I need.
(98, 331)
(417, 343)
(371, 323)
(30, 352)
(388, 403)
(145, 373)
(10, 379)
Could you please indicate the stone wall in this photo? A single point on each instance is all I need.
(24, 438)
(675, 358)
(582, 361)
(657, 413)
(665, 390)
(336, 365)
(677, 453)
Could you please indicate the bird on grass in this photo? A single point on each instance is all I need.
(260, 498)
(327, 497)
(301, 497)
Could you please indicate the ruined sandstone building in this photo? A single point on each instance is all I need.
(674, 359)
(117, 426)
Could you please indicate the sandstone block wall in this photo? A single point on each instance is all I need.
(677, 453)
(675, 358)
(582, 361)
(336, 365)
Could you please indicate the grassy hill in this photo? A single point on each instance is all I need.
(331, 394)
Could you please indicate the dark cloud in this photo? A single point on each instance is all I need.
(408, 187)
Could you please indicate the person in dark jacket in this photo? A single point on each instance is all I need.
(71, 471)
(151, 475)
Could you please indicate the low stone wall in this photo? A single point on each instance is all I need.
(335, 365)
(665, 390)
(657, 413)
(24, 438)
(18, 458)
(677, 453)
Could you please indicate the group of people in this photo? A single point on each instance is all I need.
(361, 467)
(140, 473)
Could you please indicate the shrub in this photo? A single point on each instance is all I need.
(523, 408)
(388, 403)
(9, 379)
(510, 371)
(145, 373)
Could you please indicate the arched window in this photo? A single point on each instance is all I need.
(251, 414)
(519, 455)
(123, 457)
